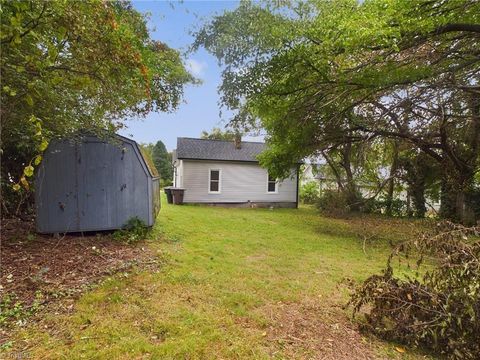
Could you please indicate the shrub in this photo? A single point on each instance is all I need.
(333, 202)
(165, 183)
(379, 206)
(134, 231)
(309, 192)
(440, 312)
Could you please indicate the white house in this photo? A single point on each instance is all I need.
(228, 173)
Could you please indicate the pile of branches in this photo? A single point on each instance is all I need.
(438, 310)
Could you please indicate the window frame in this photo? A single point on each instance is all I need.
(268, 183)
(219, 181)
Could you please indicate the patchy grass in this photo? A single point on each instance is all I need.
(238, 283)
(39, 271)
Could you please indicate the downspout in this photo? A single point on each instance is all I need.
(298, 185)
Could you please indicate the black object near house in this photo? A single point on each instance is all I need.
(88, 183)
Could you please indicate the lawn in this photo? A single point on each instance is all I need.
(232, 284)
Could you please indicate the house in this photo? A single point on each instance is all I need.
(228, 173)
(310, 172)
(87, 183)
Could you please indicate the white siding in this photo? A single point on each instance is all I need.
(240, 182)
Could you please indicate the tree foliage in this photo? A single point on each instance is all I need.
(219, 134)
(77, 65)
(319, 75)
(309, 192)
(163, 161)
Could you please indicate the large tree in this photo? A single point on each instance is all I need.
(76, 65)
(318, 75)
(218, 134)
(163, 161)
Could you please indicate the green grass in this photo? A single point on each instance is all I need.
(222, 269)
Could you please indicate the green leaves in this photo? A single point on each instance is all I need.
(77, 65)
(43, 145)
(28, 171)
(29, 100)
(38, 159)
(320, 75)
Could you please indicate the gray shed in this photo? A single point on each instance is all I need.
(93, 184)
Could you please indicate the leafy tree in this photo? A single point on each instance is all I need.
(319, 75)
(309, 192)
(76, 65)
(147, 148)
(218, 134)
(163, 161)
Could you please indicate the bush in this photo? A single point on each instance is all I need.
(333, 202)
(379, 206)
(309, 192)
(134, 231)
(165, 183)
(440, 312)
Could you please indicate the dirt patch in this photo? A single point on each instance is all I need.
(37, 269)
(312, 330)
(255, 258)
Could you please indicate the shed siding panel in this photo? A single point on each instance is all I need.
(56, 189)
(240, 182)
(92, 185)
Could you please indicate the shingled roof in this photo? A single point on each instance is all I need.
(203, 149)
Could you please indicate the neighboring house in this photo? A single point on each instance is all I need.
(310, 172)
(228, 173)
(90, 184)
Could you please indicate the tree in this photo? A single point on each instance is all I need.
(163, 162)
(76, 65)
(322, 74)
(218, 134)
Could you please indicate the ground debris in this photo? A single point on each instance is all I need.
(308, 330)
(58, 267)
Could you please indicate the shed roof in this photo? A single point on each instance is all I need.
(105, 136)
(205, 149)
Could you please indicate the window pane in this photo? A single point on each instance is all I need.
(214, 175)
(271, 186)
(213, 185)
(271, 178)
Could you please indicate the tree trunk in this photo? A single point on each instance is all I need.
(409, 206)
(418, 194)
(456, 202)
(391, 181)
(447, 200)
(351, 193)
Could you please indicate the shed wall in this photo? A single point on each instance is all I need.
(240, 182)
(91, 185)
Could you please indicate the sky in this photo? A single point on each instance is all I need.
(172, 22)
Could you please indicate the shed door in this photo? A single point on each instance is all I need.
(56, 197)
(93, 207)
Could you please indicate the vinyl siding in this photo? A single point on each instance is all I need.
(240, 182)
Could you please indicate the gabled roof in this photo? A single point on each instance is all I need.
(106, 136)
(204, 149)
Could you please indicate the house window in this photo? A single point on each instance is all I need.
(214, 181)
(272, 185)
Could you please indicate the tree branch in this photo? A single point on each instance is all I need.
(457, 27)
